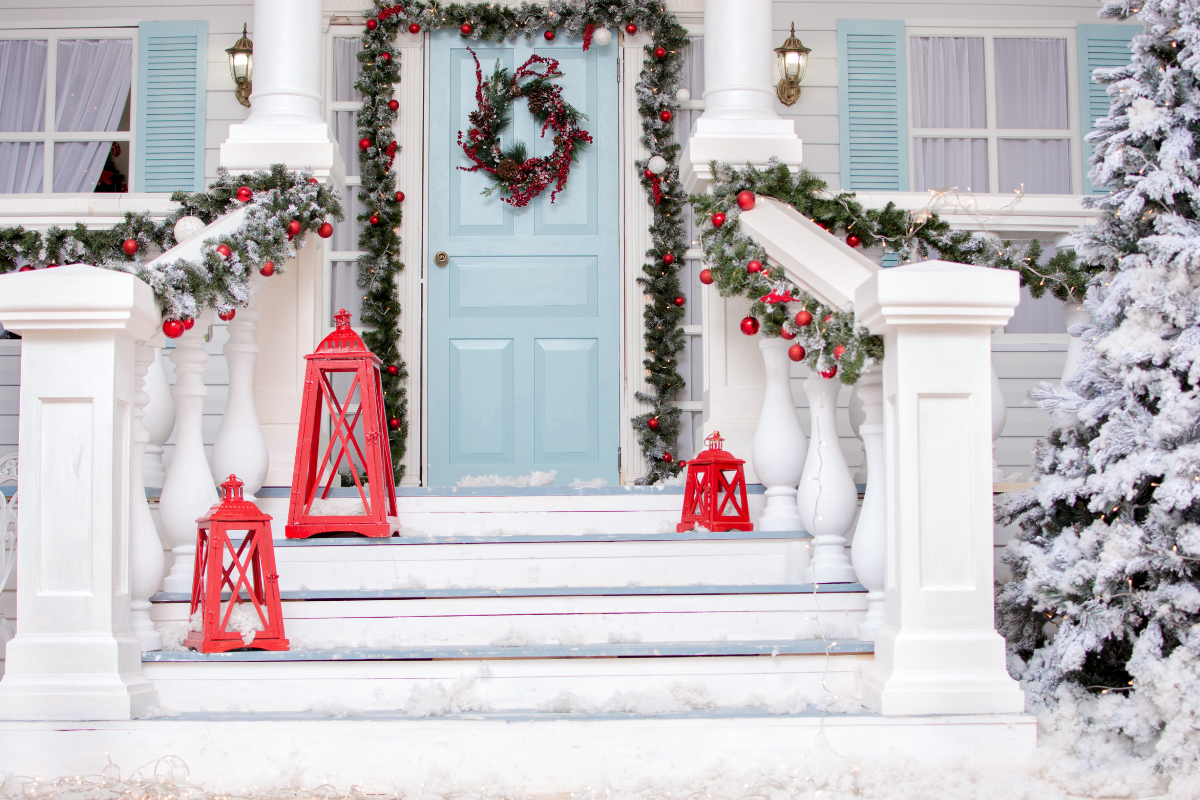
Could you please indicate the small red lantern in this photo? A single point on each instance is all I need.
(342, 352)
(715, 496)
(252, 617)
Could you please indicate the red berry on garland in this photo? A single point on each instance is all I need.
(394, 424)
(631, 29)
(754, 266)
(784, 333)
(749, 326)
(294, 227)
(853, 240)
(465, 29)
(268, 269)
(839, 351)
(173, 328)
(665, 116)
(718, 219)
(399, 197)
(745, 200)
(188, 323)
(364, 143)
(668, 258)
(414, 28)
(325, 231)
(660, 52)
(374, 220)
(130, 247)
(385, 56)
(796, 353)
(679, 301)
(393, 370)
(803, 318)
(225, 316)
(827, 374)
(666, 458)
(706, 277)
(394, 104)
(244, 194)
(652, 423)
(224, 251)
(549, 36)
(372, 24)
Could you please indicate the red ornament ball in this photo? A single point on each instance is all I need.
(244, 194)
(829, 373)
(372, 24)
(745, 200)
(660, 52)
(225, 316)
(374, 220)
(666, 458)
(294, 227)
(665, 116)
(718, 219)
(130, 247)
(652, 423)
(839, 351)
(649, 175)
(224, 251)
(754, 266)
(414, 28)
(706, 277)
(784, 333)
(668, 258)
(173, 328)
(364, 143)
(26, 268)
(465, 29)
(749, 326)
(51, 266)
(188, 323)
(796, 353)
(631, 29)
(394, 424)
(828, 318)
(399, 197)
(268, 269)
(548, 36)
(822, 226)
(394, 104)
(325, 231)
(679, 301)
(803, 318)
(385, 56)
(853, 240)
(393, 370)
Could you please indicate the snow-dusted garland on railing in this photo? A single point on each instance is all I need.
(827, 340)
(658, 428)
(281, 206)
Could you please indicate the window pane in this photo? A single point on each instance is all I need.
(948, 82)
(345, 233)
(345, 291)
(79, 166)
(345, 133)
(950, 164)
(23, 86)
(21, 167)
(345, 68)
(1041, 166)
(92, 84)
(1031, 84)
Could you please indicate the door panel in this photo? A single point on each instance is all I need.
(523, 318)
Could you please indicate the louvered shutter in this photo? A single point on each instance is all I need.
(1099, 46)
(172, 60)
(873, 101)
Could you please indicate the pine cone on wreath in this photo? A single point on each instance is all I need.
(558, 140)
(508, 169)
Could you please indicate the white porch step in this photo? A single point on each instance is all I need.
(565, 615)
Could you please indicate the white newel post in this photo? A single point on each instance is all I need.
(938, 651)
(868, 552)
(827, 497)
(999, 415)
(160, 420)
(146, 559)
(778, 452)
(240, 448)
(74, 657)
(189, 490)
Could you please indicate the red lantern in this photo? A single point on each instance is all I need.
(253, 616)
(342, 353)
(715, 495)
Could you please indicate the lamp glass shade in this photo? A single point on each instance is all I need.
(241, 59)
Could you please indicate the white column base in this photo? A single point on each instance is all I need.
(781, 513)
(253, 147)
(143, 627)
(113, 689)
(179, 579)
(830, 562)
(868, 629)
(695, 172)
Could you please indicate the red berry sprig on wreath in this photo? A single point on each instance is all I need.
(520, 177)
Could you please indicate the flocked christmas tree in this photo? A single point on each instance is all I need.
(1104, 606)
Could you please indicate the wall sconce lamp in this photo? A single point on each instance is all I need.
(241, 64)
(792, 59)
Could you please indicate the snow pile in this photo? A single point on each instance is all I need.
(624, 637)
(243, 619)
(334, 710)
(518, 481)
(515, 638)
(830, 629)
(655, 700)
(571, 637)
(594, 483)
(156, 712)
(173, 633)
(567, 703)
(338, 507)
(435, 700)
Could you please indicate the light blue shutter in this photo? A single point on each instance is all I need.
(873, 99)
(1099, 46)
(172, 59)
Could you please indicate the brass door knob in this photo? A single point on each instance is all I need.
(441, 259)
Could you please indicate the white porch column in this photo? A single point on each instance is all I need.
(778, 453)
(938, 651)
(160, 419)
(739, 123)
(74, 657)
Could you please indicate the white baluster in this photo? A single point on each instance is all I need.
(240, 448)
(146, 559)
(868, 553)
(1074, 314)
(778, 452)
(189, 490)
(827, 497)
(160, 420)
(857, 416)
(999, 417)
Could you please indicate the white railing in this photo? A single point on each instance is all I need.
(8, 537)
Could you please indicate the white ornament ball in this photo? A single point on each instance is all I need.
(601, 37)
(657, 165)
(683, 95)
(187, 227)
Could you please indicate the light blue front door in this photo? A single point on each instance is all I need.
(523, 317)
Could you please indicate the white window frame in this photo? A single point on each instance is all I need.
(49, 137)
(992, 133)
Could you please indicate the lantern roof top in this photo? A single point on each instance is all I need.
(715, 453)
(343, 342)
(233, 506)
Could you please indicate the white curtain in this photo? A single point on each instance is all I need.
(1037, 166)
(949, 91)
(345, 291)
(345, 124)
(960, 164)
(91, 90)
(1031, 84)
(22, 109)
